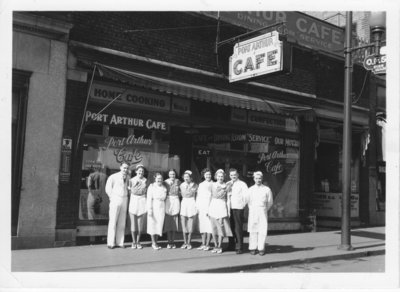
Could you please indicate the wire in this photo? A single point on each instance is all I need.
(355, 100)
(173, 28)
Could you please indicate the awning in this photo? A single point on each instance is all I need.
(198, 92)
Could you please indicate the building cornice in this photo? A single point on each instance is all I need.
(41, 26)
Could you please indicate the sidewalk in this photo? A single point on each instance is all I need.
(286, 249)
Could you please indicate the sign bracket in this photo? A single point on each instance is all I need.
(224, 42)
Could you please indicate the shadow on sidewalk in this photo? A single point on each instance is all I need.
(369, 246)
(285, 248)
(368, 234)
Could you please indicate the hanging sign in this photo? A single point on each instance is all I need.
(257, 56)
(376, 64)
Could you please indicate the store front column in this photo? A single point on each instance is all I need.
(46, 58)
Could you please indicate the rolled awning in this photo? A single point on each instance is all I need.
(198, 92)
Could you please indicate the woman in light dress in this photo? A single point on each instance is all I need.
(219, 210)
(260, 200)
(172, 207)
(156, 195)
(188, 208)
(203, 200)
(137, 205)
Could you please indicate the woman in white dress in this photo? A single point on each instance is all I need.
(172, 207)
(219, 210)
(260, 200)
(203, 200)
(137, 205)
(188, 208)
(156, 195)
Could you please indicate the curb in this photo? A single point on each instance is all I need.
(290, 262)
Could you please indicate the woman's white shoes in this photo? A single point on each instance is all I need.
(155, 247)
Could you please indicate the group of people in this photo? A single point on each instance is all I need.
(214, 208)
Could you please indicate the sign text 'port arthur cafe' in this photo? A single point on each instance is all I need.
(257, 56)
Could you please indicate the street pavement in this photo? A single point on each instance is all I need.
(370, 264)
(282, 250)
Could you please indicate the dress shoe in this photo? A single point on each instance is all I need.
(261, 252)
(239, 251)
(110, 247)
(253, 252)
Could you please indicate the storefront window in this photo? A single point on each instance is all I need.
(276, 156)
(328, 170)
(104, 148)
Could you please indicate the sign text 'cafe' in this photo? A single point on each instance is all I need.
(257, 56)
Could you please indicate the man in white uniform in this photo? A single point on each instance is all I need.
(117, 191)
(237, 198)
(260, 200)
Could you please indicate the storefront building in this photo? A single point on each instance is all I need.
(162, 98)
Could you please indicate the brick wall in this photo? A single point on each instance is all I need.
(191, 47)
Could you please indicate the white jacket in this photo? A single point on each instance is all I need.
(116, 187)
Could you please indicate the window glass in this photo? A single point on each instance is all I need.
(278, 157)
(102, 155)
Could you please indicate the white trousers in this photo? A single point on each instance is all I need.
(117, 220)
(257, 240)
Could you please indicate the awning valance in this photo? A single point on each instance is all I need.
(198, 92)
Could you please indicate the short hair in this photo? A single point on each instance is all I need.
(173, 171)
(219, 171)
(158, 174)
(258, 173)
(124, 162)
(204, 171)
(233, 170)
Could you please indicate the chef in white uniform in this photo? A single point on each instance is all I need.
(117, 191)
(260, 200)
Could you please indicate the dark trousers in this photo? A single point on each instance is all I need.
(236, 222)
